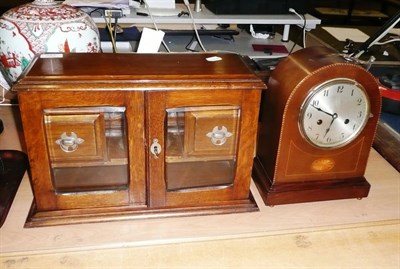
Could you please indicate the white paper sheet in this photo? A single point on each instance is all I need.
(150, 40)
(395, 31)
(342, 34)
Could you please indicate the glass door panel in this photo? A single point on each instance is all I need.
(87, 148)
(201, 146)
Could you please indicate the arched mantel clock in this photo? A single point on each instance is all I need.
(317, 124)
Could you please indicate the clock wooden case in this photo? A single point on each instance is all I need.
(125, 136)
(316, 127)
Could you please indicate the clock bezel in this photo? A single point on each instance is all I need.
(317, 89)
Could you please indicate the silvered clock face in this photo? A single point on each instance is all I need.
(334, 113)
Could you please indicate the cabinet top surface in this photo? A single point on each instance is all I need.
(104, 68)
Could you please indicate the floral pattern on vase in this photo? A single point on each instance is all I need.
(15, 56)
(43, 26)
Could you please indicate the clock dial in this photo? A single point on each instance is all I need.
(334, 113)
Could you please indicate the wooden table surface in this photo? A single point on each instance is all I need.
(332, 234)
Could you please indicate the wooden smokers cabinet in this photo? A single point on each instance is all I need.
(125, 136)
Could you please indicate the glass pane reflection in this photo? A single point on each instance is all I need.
(87, 148)
(201, 144)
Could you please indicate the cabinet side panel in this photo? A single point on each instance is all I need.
(247, 141)
(33, 125)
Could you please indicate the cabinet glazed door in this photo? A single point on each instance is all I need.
(197, 143)
(79, 151)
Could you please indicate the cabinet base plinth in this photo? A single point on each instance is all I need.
(80, 216)
(307, 191)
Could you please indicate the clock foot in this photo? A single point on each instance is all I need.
(307, 191)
